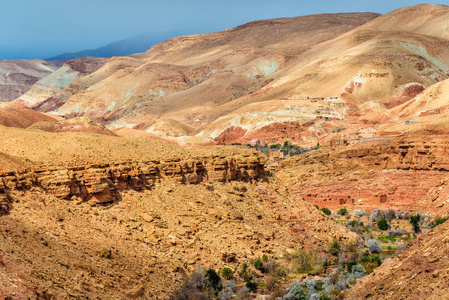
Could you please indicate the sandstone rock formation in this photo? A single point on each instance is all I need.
(132, 222)
(397, 173)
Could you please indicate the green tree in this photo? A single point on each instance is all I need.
(227, 273)
(326, 211)
(258, 264)
(252, 286)
(342, 211)
(414, 220)
(334, 248)
(213, 280)
(287, 145)
(382, 224)
(244, 274)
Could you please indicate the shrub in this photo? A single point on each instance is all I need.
(353, 223)
(258, 264)
(359, 213)
(358, 271)
(376, 215)
(390, 215)
(227, 273)
(264, 258)
(274, 269)
(404, 215)
(278, 293)
(414, 220)
(305, 262)
(246, 277)
(374, 245)
(437, 221)
(252, 286)
(271, 283)
(213, 280)
(326, 211)
(334, 248)
(243, 273)
(296, 293)
(396, 233)
(191, 287)
(342, 211)
(382, 224)
(370, 262)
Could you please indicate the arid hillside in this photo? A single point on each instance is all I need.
(17, 76)
(18, 115)
(185, 77)
(370, 70)
(86, 215)
(420, 272)
(408, 173)
(49, 87)
(223, 87)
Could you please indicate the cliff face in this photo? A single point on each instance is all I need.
(102, 183)
(392, 172)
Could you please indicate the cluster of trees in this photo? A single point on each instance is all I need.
(288, 148)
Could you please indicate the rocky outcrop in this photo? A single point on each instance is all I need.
(428, 154)
(406, 173)
(102, 183)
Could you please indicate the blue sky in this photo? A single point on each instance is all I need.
(43, 28)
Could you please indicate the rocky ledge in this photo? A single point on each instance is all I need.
(102, 183)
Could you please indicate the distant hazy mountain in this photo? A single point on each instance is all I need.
(136, 44)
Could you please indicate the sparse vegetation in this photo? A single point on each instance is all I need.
(342, 211)
(296, 293)
(326, 211)
(334, 248)
(374, 245)
(227, 273)
(415, 221)
(252, 286)
(243, 273)
(306, 262)
(382, 224)
(348, 261)
(438, 220)
(258, 264)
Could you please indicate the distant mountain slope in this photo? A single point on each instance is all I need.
(51, 85)
(17, 76)
(190, 75)
(16, 115)
(136, 44)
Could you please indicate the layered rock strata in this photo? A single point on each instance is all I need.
(102, 183)
(388, 172)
